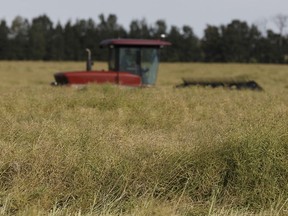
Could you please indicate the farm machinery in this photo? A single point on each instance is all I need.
(131, 62)
(232, 83)
(134, 62)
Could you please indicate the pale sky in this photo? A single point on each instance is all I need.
(195, 13)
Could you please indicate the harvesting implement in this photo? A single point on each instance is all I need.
(131, 62)
(232, 83)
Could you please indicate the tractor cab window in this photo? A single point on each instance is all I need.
(140, 61)
(149, 66)
(129, 60)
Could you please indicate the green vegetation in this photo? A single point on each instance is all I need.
(237, 41)
(111, 150)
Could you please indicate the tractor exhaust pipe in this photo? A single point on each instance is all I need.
(89, 62)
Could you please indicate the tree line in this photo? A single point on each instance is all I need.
(237, 41)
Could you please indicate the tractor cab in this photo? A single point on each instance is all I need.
(138, 57)
(132, 62)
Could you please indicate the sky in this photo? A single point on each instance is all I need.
(195, 13)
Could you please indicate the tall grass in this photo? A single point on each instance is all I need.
(109, 150)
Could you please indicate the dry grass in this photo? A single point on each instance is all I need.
(108, 150)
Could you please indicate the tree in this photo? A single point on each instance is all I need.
(92, 38)
(281, 21)
(212, 45)
(272, 48)
(110, 28)
(190, 45)
(39, 36)
(19, 39)
(57, 44)
(237, 42)
(88, 36)
(139, 29)
(72, 42)
(3, 39)
(160, 28)
(172, 53)
(255, 37)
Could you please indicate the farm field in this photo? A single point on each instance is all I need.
(110, 150)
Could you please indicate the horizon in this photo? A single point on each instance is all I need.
(194, 13)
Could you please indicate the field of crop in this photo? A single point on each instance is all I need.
(110, 150)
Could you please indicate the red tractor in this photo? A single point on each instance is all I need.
(131, 62)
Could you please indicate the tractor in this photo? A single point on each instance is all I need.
(134, 62)
(131, 62)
